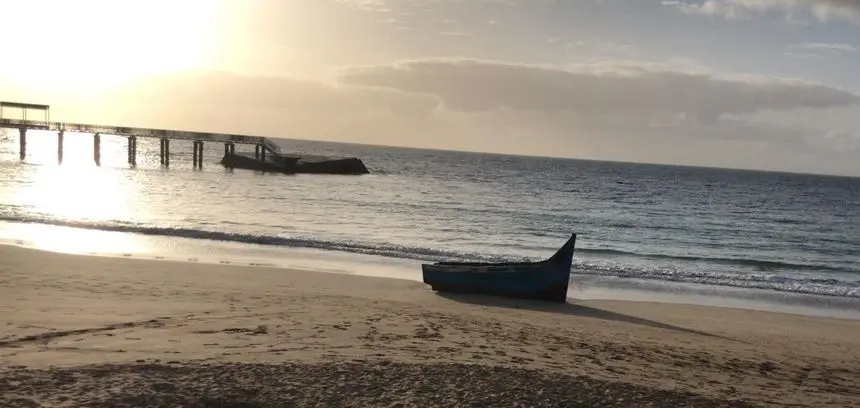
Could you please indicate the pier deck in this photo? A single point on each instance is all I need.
(263, 144)
(267, 154)
(141, 132)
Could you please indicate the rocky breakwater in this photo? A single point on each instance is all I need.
(293, 164)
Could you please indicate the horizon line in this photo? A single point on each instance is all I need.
(572, 158)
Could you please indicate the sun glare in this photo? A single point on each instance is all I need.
(77, 193)
(75, 190)
(72, 240)
(98, 44)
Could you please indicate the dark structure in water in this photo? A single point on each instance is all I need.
(288, 164)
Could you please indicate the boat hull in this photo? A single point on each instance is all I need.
(556, 293)
(546, 280)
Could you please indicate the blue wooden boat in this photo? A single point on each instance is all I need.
(545, 280)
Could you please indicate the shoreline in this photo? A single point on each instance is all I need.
(418, 284)
(71, 240)
(68, 312)
(592, 264)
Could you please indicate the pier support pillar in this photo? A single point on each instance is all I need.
(165, 152)
(22, 143)
(263, 153)
(200, 154)
(227, 153)
(232, 148)
(97, 149)
(194, 156)
(257, 152)
(132, 151)
(60, 137)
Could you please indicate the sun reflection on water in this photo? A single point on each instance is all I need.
(75, 191)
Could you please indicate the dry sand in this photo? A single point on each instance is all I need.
(103, 332)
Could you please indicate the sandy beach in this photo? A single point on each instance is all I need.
(98, 332)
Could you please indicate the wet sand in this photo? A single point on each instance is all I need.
(96, 331)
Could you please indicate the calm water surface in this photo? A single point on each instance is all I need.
(639, 225)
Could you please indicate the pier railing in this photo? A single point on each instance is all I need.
(141, 132)
(29, 124)
(262, 144)
(272, 146)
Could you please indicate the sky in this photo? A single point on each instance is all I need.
(756, 84)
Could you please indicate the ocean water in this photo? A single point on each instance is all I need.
(649, 228)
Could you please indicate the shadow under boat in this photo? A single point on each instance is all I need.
(569, 308)
(546, 280)
(536, 286)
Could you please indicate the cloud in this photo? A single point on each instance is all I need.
(803, 55)
(817, 50)
(675, 112)
(833, 48)
(822, 10)
(258, 92)
(614, 110)
(730, 9)
(604, 48)
(603, 89)
(257, 105)
(372, 5)
(800, 137)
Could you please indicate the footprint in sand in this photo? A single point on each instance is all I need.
(425, 333)
(261, 329)
(154, 324)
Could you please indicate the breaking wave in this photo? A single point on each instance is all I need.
(606, 266)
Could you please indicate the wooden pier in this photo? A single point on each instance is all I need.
(262, 144)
